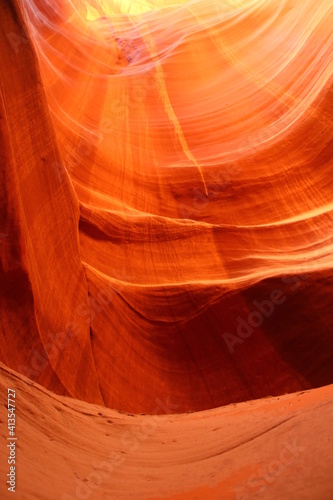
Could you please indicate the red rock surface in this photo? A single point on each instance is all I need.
(166, 235)
(270, 448)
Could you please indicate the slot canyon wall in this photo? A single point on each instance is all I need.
(166, 247)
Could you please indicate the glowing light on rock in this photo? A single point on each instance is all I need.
(166, 230)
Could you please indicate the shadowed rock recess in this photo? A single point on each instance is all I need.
(166, 238)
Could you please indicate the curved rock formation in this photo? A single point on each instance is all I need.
(270, 448)
(166, 218)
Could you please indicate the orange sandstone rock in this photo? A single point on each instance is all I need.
(166, 229)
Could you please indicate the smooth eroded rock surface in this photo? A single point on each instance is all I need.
(166, 237)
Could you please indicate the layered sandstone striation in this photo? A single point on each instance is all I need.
(167, 233)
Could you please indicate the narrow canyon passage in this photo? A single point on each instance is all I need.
(167, 220)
